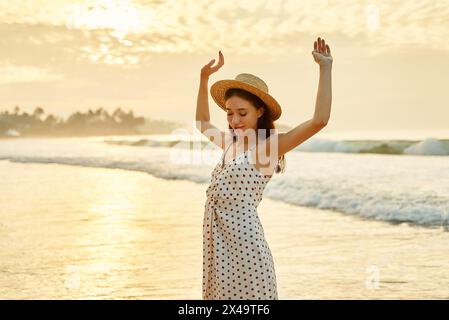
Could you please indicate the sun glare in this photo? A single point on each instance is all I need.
(122, 17)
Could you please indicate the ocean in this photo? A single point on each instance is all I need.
(121, 218)
(354, 177)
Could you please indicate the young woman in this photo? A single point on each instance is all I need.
(237, 261)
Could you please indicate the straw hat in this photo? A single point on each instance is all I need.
(250, 83)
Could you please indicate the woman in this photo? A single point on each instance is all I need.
(237, 261)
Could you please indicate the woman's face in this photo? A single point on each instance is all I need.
(242, 115)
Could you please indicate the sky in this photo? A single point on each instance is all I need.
(390, 70)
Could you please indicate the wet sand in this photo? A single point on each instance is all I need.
(70, 232)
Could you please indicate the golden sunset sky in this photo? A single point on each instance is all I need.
(391, 58)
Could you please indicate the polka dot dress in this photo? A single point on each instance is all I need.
(237, 262)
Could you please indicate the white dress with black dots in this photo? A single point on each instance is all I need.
(237, 262)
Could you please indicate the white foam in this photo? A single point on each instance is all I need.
(324, 145)
(428, 146)
(382, 187)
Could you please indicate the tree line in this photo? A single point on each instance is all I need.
(91, 122)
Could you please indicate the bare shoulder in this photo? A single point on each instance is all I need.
(270, 145)
(264, 156)
(215, 135)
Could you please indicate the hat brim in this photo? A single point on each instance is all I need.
(219, 88)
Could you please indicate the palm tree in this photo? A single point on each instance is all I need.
(38, 112)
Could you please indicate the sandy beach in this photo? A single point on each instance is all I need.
(69, 232)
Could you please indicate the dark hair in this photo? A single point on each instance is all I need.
(264, 122)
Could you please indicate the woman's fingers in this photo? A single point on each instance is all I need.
(321, 51)
(318, 45)
(214, 69)
(221, 58)
(220, 62)
(208, 69)
(321, 47)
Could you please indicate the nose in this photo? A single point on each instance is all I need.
(235, 120)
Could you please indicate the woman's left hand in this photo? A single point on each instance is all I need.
(322, 52)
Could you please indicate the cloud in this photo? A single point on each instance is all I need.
(11, 74)
(126, 32)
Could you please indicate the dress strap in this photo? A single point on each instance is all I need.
(252, 147)
(224, 154)
(249, 152)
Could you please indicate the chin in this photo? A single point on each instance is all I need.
(240, 131)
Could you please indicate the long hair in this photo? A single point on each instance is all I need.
(264, 122)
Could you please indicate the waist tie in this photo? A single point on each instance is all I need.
(213, 207)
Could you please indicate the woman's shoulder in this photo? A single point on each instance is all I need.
(262, 162)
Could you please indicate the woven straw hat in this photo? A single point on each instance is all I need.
(250, 83)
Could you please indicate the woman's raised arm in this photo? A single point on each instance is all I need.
(202, 106)
(296, 136)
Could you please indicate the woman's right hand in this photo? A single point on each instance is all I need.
(207, 70)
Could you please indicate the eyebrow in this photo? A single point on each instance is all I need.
(238, 109)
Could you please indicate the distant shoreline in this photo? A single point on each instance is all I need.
(80, 124)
